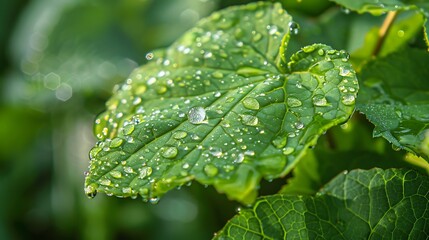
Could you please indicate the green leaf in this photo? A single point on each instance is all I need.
(395, 98)
(318, 167)
(403, 29)
(220, 106)
(373, 204)
(382, 6)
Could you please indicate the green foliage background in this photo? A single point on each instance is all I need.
(59, 63)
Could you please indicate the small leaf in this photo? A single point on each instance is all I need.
(362, 204)
(395, 98)
(382, 6)
(212, 107)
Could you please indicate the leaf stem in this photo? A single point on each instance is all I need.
(384, 30)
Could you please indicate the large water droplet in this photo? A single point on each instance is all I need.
(280, 141)
(128, 129)
(293, 102)
(217, 74)
(288, 150)
(180, 135)
(320, 101)
(196, 115)
(299, 125)
(272, 29)
(116, 142)
(293, 28)
(345, 72)
(91, 190)
(251, 103)
(211, 170)
(115, 174)
(105, 182)
(126, 190)
(249, 120)
(128, 170)
(215, 151)
(348, 99)
(169, 152)
(145, 172)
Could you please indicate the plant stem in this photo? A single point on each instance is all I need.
(384, 30)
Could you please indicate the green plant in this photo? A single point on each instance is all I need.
(226, 106)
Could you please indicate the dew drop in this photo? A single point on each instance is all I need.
(149, 56)
(128, 129)
(299, 125)
(154, 200)
(185, 166)
(116, 142)
(208, 55)
(115, 174)
(169, 152)
(348, 99)
(217, 74)
(94, 152)
(239, 159)
(272, 29)
(293, 102)
(216, 152)
(196, 115)
(91, 190)
(145, 172)
(280, 141)
(320, 101)
(288, 150)
(128, 170)
(251, 103)
(293, 28)
(345, 72)
(211, 170)
(180, 135)
(345, 10)
(105, 182)
(126, 190)
(321, 52)
(257, 37)
(249, 120)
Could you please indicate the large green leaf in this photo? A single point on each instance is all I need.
(220, 106)
(395, 98)
(361, 204)
(382, 6)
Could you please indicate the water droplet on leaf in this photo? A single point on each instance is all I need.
(128, 129)
(180, 135)
(196, 115)
(115, 174)
(348, 99)
(91, 190)
(251, 103)
(116, 142)
(293, 102)
(249, 120)
(169, 152)
(211, 170)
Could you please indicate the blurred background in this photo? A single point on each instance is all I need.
(59, 61)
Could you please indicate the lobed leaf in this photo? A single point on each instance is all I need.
(395, 98)
(221, 106)
(361, 204)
